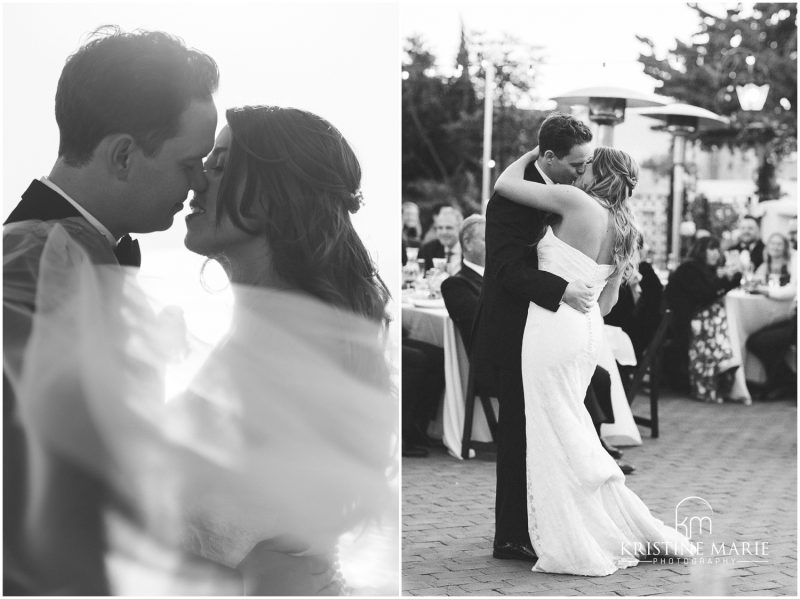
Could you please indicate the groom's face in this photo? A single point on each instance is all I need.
(566, 169)
(162, 181)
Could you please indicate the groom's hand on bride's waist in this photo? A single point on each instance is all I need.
(579, 295)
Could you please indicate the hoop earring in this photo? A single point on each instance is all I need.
(222, 279)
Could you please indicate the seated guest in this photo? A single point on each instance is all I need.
(423, 385)
(412, 227)
(771, 343)
(445, 225)
(750, 240)
(638, 309)
(777, 262)
(700, 343)
(430, 231)
(462, 291)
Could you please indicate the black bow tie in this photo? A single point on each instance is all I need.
(127, 252)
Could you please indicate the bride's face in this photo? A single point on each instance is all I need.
(204, 234)
(586, 178)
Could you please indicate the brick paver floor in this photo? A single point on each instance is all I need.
(740, 459)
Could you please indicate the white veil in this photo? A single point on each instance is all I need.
(216, 423)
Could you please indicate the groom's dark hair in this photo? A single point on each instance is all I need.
(560, 132)
(137, 83)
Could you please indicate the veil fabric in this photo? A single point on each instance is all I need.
(218, 421)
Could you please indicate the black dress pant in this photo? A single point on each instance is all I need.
(511, 501)
(598, 398)
(770, 345)
(423, 384)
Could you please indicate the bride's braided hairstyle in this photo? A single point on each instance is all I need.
(615, 177)
(297, 169)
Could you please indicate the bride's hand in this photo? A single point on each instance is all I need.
(533, 154)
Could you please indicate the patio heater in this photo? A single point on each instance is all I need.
(681, 120)
(607, 106)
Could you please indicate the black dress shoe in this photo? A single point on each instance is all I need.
(778, 392)
(421, 435)
(414, 451)
(614, 452)
(626, 468)
(514, 551)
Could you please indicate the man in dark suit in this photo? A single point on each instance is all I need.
(511, 281)
(461, 292)
(131, 147)
(750, 240)
(446, 224)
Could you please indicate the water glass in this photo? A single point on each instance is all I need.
(421, 267)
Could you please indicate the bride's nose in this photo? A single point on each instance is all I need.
(199, 181)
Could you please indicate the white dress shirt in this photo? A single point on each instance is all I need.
(547, 179)
(476, 267)
(455, 253)
(84, 213)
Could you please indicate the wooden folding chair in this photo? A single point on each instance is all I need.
(472, 394)
(646, 375)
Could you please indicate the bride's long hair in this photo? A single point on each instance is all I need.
(615, 177)
(299, 171)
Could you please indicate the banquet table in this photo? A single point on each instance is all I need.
(747, 313)
(429, 321)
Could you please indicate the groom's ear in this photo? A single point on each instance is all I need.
(549, 155)
(119, 149)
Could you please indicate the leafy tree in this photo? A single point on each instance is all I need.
(729, 51)
(443, 118)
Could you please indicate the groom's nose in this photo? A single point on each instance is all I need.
(199, 181)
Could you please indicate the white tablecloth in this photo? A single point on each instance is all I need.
(433, 325)
(747, 313)
(618, 348)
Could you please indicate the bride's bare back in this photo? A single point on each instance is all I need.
(589, 228)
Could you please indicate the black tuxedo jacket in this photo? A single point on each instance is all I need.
(756, 253)
(39, 202)
(461, 294)
(429, 251)
(512, 279)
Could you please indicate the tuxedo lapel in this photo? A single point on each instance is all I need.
(39, 202)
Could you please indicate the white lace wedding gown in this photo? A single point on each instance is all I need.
(582, 519)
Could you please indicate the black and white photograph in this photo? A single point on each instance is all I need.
(201, 272)
(599, 315)
(565, 364)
